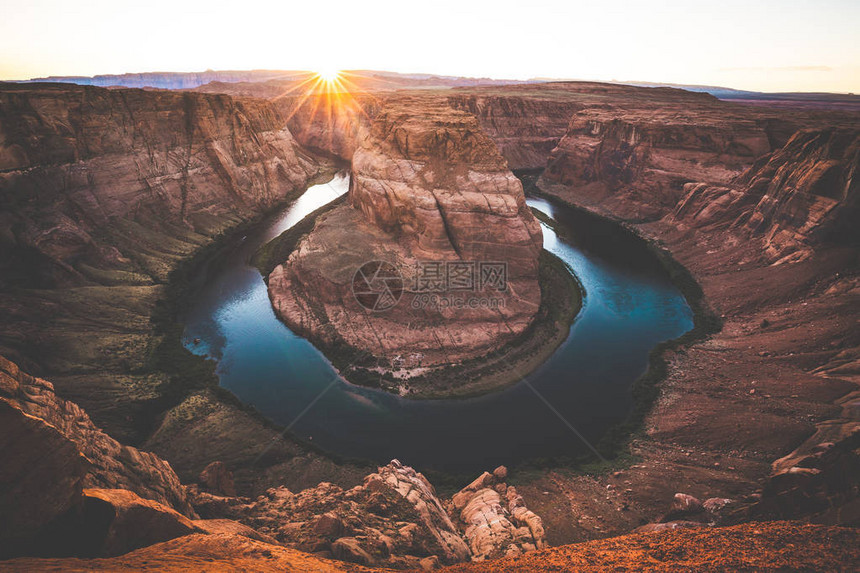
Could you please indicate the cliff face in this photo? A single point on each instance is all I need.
(802, 195)
(438, 183)
(427, 187)
(108, 463)
(525, 129)
(638, 160)
(74, 161)
(51, 451)
(328, 123)
(811, 192)
(759, 216)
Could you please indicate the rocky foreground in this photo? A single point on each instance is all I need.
(70, 490)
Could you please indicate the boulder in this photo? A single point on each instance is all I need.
(350, 549)
(217, 479)
(110, 465)
(41, 477)
(114, 522)
(328, 524)
(684, 503)
(495, 520)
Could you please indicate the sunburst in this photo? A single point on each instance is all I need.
(329, 76)
(329, 98)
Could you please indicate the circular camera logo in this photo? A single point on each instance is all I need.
(377, 285)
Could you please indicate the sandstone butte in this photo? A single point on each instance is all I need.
(427, 187)
(110, 463)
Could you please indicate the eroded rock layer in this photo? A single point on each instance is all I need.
(78, 163)
(525, 123)
(427, 187)
(106, 462)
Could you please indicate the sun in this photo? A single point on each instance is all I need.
(329, 75)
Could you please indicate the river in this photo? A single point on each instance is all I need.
(630, 305)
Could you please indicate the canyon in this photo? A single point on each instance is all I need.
(103, 194)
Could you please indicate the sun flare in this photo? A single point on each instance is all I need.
(329, 76)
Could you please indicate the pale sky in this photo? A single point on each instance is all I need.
(766, 45)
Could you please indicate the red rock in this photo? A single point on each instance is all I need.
(500, 473)
(716, 505)
(668, 526)
(111, 465)
(41, 477)
(349, 549)
(684, 503)
(118, 521)
(218, 479)
(328, 525)
(230, 527)
(67, 192)
(794, 198)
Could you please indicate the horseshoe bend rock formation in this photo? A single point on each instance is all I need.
(429, 191)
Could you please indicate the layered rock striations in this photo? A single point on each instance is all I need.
(428, 187)
(526, 123)
(51, 451)
(106, 462)
(102, 194)
(629, 151)
(494, 518)
(802, 195)
(81, 166)
(639, 160)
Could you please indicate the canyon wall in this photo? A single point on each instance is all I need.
(639, 160)
(803, 195)
(525, 128)
(80, 163)
(630, 151)
(328, 124)
(104, 191)
(427, 186)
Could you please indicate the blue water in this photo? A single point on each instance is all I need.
(630, 306)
